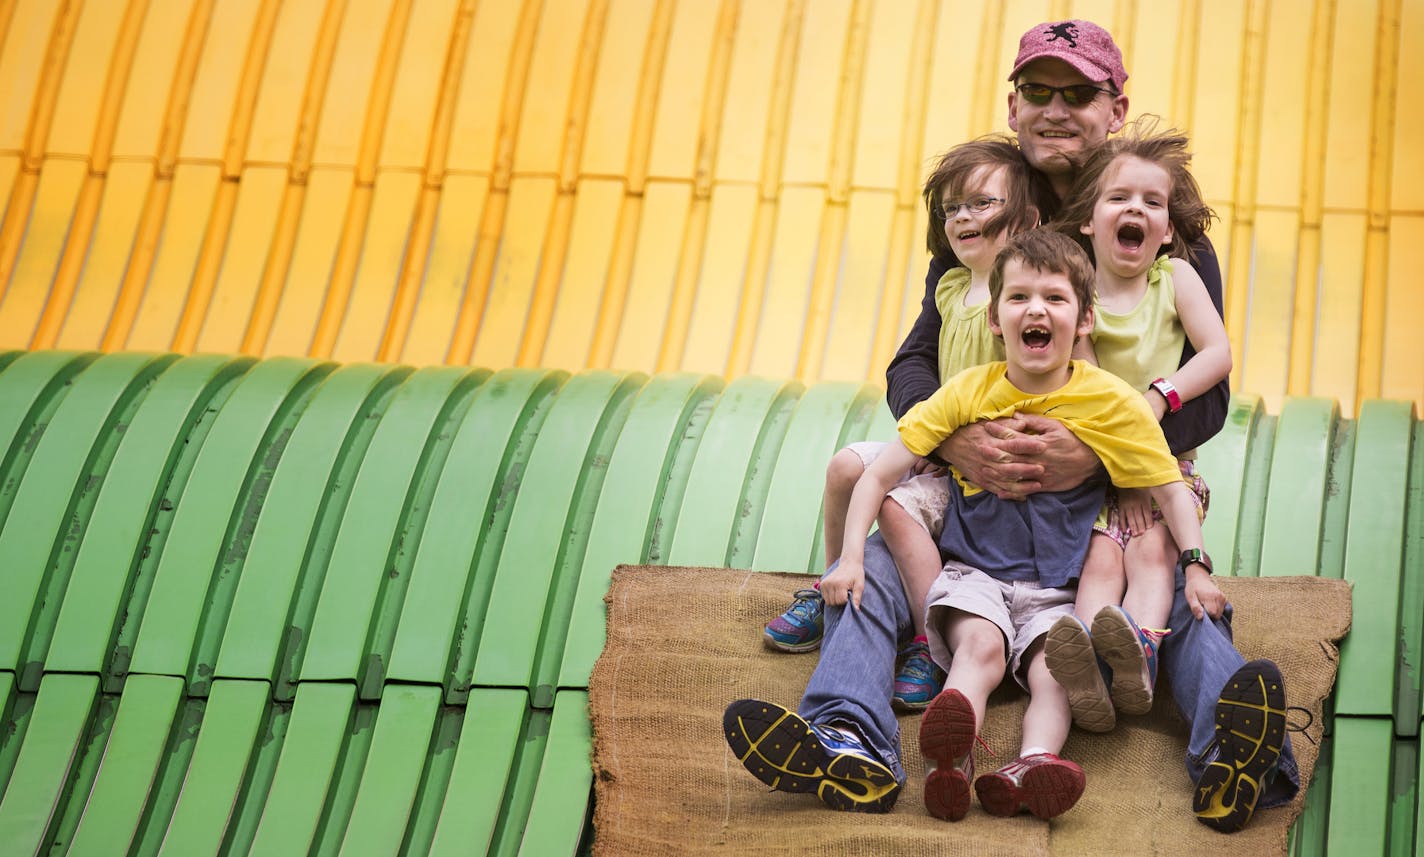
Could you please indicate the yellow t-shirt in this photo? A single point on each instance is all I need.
(1114, 420)
(964, 337)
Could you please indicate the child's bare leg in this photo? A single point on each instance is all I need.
(842, 473)
(1151, 561)
(1103, 581)
(948, 728)
(916, 556)
(978, 657)
(1046, 721)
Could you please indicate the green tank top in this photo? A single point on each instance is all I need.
(964, 337)
(1145, 343)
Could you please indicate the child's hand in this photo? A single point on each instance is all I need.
(845, 584)
(1157, 402)
(1135, 506)
(1203, 596)
(924, 466)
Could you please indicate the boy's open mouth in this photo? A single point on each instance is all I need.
(1037, 337)
(1130, 236)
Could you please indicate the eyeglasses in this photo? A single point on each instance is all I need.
(977, 205)
(1074, 96)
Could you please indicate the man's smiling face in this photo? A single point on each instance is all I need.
(1051, 133)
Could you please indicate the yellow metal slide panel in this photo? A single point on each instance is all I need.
(1283, 117)
(82, 85)
(249, 241)
(417, 84)
(1150, 53)
(195, 189)
(742, 137)
(319, 232)
(881, 123)
(482, 86)
(916, 267)
(1407, 189)
(1337, 335)
(722, 278)
(655, 260)
(544, 114)
(861, 287)
(343, 115)
(1348, 131)
(1220, 236)
(462, 202)
(953, 63)
(613, 103)
(516, 268)
(151, 78)
(9, 171)
(21, 62)
(677, 127)
(382, 250)
(816, 92)
(50, 218)
(214, 97)
(1217, 110)
(1403, 354)
(1272, 297)
(125, 189)
(581, 286)
(788, 282)
(284, 83)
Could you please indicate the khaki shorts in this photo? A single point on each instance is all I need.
(1022, 610)
(922, 495)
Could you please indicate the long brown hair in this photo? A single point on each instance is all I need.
(1027, 194)
(1189, 214)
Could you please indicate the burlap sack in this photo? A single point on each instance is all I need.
(683, 642)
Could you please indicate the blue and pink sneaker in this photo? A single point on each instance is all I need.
(1131, 652)
(919, 679)
(800, 627)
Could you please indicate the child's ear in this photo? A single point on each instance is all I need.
(1086, 228)
(1037, 216)
(1085, 324)
(994, 326)
(1167, 239)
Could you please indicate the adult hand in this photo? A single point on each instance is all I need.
(1020, 455)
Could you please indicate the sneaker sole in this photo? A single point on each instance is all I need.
(946, 734)
(1068, 652)
(1048, 790)
(779, 748)
(792, 648)
(1250, 729)
(1117, 643)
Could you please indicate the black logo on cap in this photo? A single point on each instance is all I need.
(1066, 32)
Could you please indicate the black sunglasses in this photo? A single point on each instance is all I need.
(1073, 96)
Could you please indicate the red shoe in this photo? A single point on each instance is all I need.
(1044, 784)
(947, 732)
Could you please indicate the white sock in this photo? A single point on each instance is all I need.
(1032, 751)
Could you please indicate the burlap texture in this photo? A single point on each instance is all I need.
(684, 642)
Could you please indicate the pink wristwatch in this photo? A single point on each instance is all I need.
(1174, 399)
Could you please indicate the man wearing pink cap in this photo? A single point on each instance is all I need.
(843, 742)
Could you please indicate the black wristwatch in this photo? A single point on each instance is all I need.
(1194, 555)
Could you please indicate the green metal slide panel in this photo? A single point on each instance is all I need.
(218, 507)
(118, 527)
(313, 751)
(537, 573)
(789, 531)
(455, 557)
(55, 492)
(1374, 557)
(15, 708)
(1307, 835)
(562, 796)
(31, 388)
(1222, 462)
(1409, 700)
(369, 537)
(392, 775)
(1360, 782)
(883, 427)
(131, 760)
(738, 448)
(278, 567)
(662, 430)
(1404, 792)
(56, 734)
(1300, 474)
(484, 756)
(523, 780)
(215, 774)
(867, 418)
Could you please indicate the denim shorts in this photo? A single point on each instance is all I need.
(1022, 610)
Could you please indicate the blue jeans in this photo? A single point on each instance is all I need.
(1197, 658)
(856, 673)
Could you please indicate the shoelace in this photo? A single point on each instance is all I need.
(805, 605)
(918, 664)
(1301, 728)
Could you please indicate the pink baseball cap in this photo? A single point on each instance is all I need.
(1082, 44)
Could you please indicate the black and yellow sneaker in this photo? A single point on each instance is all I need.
(1250, 731)
(790, 755)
